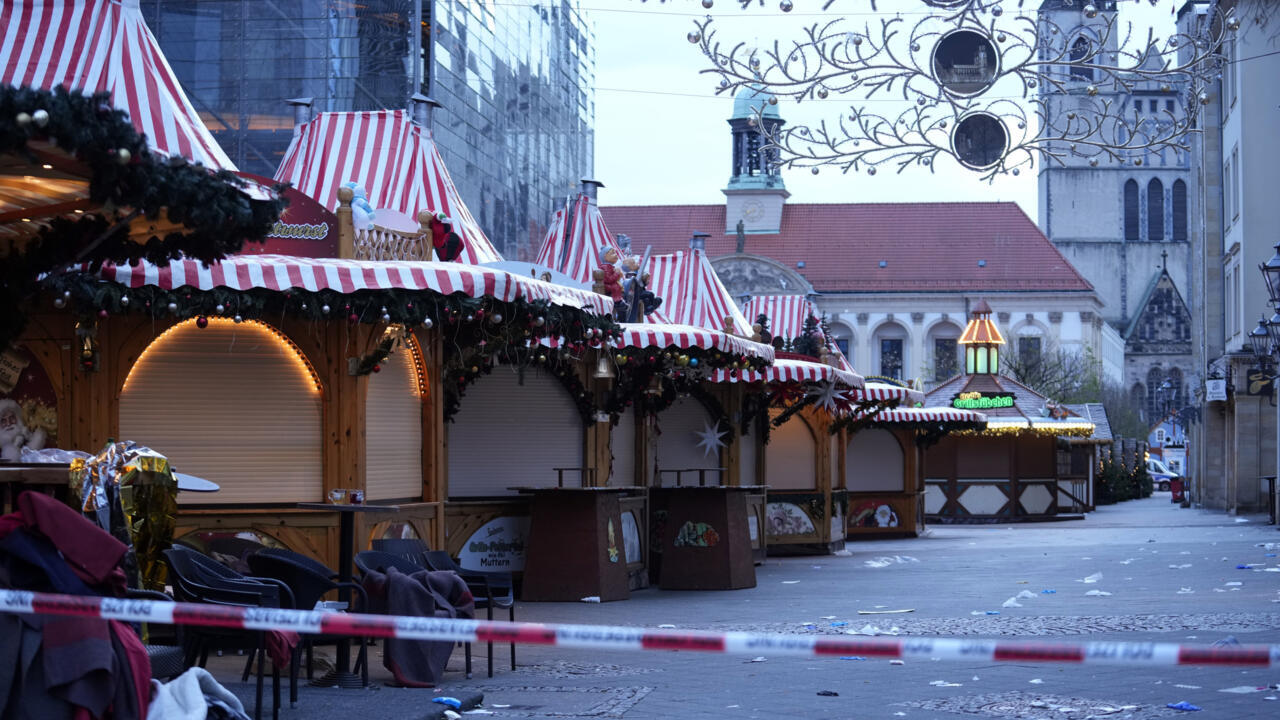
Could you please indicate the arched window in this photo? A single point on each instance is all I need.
(1155, 210)
(1137, 395)
(1154, 399)
(1179, 211)
(1131, 210)
(1079, 51)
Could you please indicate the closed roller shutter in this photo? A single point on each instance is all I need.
(622, 443)
(678, 444)
(874, 462)
(791, 457)
(747, 458)
(511, 435)
(393, 431)
(233, 403)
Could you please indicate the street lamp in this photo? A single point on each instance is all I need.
(1260, 340)
(1271, 274)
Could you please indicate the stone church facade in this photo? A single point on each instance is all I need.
(1128, 227)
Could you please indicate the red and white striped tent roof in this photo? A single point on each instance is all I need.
(692, 293)
(574, 241)
(392, 158)
(928, 416)
(790, 370)
(105, 46)
(281, 273)
(787, 314)
(885, 392)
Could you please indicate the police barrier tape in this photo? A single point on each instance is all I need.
(626, 638)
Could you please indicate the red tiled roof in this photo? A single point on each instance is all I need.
(927, 246)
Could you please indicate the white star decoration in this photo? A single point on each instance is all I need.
(710, 439)
(827, 397)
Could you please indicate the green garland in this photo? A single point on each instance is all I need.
(127, 181)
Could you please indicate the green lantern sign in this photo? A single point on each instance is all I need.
(982, 401)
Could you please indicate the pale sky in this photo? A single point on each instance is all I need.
(662, 135)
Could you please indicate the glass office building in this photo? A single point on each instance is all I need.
(515, 81)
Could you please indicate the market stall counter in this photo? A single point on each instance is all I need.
(575, 545)
(706, 540)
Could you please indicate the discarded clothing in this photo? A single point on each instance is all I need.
(193, 695)
(418, 663)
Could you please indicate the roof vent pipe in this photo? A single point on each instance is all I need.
(699, 241)
(422, 110)
(591, 189)
(301, 113)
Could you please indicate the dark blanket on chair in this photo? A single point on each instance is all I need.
(418, 663)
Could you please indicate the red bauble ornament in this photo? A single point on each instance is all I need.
(353, 318)
(377, 368)
(102, 313)
(202, 322)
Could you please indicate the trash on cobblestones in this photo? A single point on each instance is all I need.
(790, 582)
(667, 626)
(760, 658)
(839, 624)
(809, 626)
(1227, 641)
(944, 683)
(1011, 602)
(1180, 567)
(478, 711)
(496, 705)
(1183, 705)
(1098, 593)
(886, 612)
(1126, 562)
(828, 617)
(873, 630)
(985, 612)
(1026, 595)
(1240, 520)
(1036, 681)
(1048, 592)
(828, 693)
(451, 715)
(1188, 687)
(1091, 579)
(852, 657)
(591, 599)
(1233, 583)
(452, 702)
(1243, 689)
(842, 553)
(897, 662)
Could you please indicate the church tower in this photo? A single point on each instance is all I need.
(755, 194)
(1125, 225)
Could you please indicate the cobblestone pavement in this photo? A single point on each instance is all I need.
(1173, 575)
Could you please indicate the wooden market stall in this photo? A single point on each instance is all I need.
(1009, 470)
(808, 386)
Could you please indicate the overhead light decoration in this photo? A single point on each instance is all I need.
(1063, 79)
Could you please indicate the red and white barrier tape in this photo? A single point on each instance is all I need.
(630, 638)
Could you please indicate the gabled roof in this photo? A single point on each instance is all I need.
(1160, 301)
(926, 247)
(392, 158)
(105, 46)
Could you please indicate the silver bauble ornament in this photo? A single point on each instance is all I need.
(708, 3)
(785, 6)
(41, 117)
(427, 323)
(324, 309)
(871, 171)
(1093, 162)
(123, 156)
(694, 37)
(220, 308)
(124, 300)
(386, 318)
(173, 307)
(1090, 11)
(23, 119)
(1233, 23)
(813, 170)
(59, 303)
(822, 93)
(66, 294)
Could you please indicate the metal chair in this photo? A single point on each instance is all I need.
(309, 581)
(200, 579)
(496, 589)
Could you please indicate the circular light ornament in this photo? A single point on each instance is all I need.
(979, 140)
(965, 62)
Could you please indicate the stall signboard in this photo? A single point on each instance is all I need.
(498, 546)
(982, 401)
(1215, 390)
(1259, 381)
(305, 228)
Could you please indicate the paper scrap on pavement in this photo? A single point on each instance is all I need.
(1098, 593)
(1036, 681)
(761, 658)
(1243, 689)
(944, 683)
(885, 612)
(1011, 602)
(1185, 591)
(1091, 579)
(1026, 595)
(790, 582)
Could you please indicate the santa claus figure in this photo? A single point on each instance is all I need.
(14, 434)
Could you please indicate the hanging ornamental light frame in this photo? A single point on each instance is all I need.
(893, 58)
